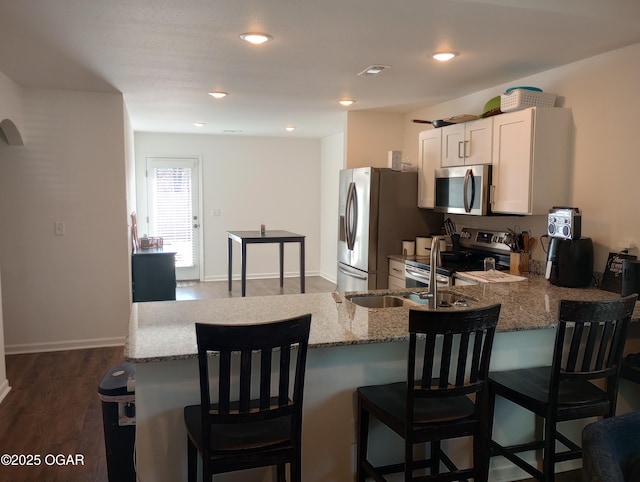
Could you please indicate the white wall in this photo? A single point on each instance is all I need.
(600, 92)
(11, 114)
(332, 160)
(4, 383)
(252, 181)
(370, 135)
(66, 291)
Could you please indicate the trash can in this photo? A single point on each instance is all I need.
(117, 392)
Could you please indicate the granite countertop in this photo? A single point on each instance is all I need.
(164, 330)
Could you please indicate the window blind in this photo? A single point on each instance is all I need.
(173, 211)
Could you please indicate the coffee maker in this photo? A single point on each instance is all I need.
(569, 256)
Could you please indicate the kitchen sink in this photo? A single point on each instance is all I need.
(377, 301)
(445, 299)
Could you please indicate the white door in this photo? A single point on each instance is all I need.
(174, 214)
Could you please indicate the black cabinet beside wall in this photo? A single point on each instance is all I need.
(153, 274)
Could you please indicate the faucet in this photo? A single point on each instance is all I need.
(434, 262)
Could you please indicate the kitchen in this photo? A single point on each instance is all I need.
(537, 224)
(596, 90)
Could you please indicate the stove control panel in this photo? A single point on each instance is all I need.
(484, 240)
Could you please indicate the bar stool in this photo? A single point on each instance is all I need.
(256, 419)
(588, 348)
(443, 396)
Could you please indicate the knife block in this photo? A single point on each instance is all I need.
(519, 263)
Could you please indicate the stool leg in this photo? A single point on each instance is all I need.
(362, 436)
(192, 461)
(435, 457)
(549, 459)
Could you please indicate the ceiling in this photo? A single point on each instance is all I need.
(166, 55)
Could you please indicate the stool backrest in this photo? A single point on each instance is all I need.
(590, 342)
(455, 357)
(259, 371)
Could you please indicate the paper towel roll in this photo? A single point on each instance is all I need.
(408, 248)
(423, 246)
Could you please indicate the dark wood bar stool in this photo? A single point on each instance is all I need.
(255, 419)
(443, 396)
(581, 382)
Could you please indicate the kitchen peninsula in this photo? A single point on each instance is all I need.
(349, 346)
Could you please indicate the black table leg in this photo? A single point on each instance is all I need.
(281, 264)
(244, 268)
(229, 259)
(302, 265)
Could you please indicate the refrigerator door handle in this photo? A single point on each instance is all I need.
(352, 274)
(351, 216)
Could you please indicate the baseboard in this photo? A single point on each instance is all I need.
(236, 277)
(4, 389)
(330, 278)
(63, 345)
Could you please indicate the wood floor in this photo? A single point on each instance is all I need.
(53, 406)
(258, 287)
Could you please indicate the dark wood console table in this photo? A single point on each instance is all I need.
(253, 237)
(153, 274)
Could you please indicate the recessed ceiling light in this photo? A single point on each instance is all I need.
(346, 102)
(374, 70)
(199, 124)
(218, 94)
(256, 38)
(443, 56)
(290, 128)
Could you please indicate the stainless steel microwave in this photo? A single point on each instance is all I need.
(463, 190)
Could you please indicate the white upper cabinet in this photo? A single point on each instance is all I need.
(531, 154)
(467, 143)
(430, 148)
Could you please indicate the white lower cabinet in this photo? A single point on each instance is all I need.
(531, 160)
(396, 274)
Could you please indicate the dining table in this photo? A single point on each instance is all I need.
(260, 237)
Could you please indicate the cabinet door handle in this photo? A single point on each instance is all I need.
(460, 144)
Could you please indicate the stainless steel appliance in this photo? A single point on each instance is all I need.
(377, 211)
(463, 190)
(417, 275)
(475, 246)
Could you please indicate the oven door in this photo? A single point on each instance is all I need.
(463, 190)
(416, 277)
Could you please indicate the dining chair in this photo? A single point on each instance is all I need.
(251, 390)
(581, 381)
(443, 396)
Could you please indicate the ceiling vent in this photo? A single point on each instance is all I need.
(373, 70)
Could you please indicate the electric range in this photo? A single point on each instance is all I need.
(474, 246)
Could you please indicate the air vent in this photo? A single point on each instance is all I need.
(373, 70)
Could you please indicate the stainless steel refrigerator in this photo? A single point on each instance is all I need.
(378, 209)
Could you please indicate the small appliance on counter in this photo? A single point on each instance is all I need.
(569, 256)
(630, 277)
